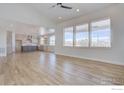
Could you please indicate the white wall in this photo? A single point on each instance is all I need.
(113, 55)
(23, 13)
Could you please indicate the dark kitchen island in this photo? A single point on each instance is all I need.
(29, 47)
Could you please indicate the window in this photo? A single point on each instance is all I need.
(68, 36)
(42, 41)
(52, 40)
(82, 36)
(101, 33)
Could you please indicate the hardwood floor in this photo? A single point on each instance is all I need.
(40, 68)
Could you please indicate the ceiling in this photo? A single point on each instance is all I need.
(53, 13)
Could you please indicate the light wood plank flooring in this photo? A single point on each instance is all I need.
(40, 68)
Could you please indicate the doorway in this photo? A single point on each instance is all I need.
(18, 45)
(9, 42)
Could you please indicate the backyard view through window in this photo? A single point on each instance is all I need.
(101, 33)
(82, 36)
(68, 36)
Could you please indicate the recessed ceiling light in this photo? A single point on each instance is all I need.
(77, 10)
(59, 17)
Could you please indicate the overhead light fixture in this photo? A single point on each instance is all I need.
(59, 17)
(77, 10)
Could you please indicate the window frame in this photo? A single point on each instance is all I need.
(90, 27)
(64, 36)
(49, 40)
(87, 23)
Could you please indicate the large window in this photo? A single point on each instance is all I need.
(52, 40)
(82, 36)
(68, 36)
(100, 33)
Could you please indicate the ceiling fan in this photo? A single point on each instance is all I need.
(62, 6)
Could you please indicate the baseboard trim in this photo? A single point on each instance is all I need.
(99, 60)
